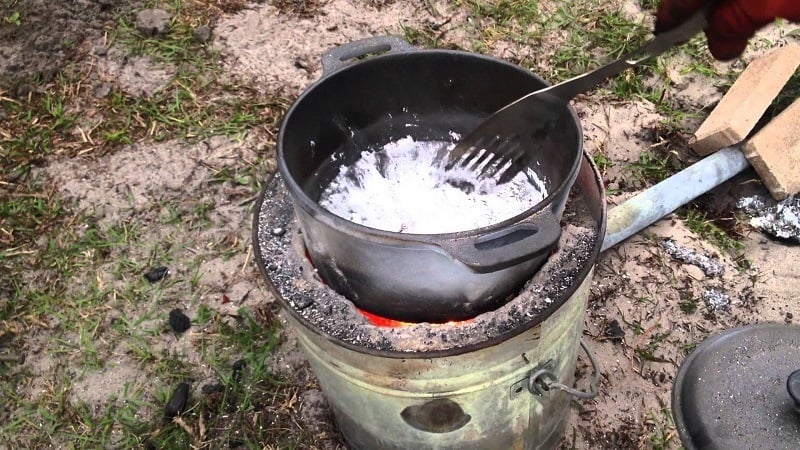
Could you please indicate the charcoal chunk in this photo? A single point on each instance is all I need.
(156, 274)
(238, 367)
(212, 388)
(178, 321)
(614, 331)
(177, 402)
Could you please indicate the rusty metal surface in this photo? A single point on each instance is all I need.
(479, 397)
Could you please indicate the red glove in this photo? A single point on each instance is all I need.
(732, 22)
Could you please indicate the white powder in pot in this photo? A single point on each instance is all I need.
(403, 188)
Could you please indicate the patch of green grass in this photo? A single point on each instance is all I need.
(649, 5)
(204, 315)
(699, 223)
(172, 368)
(787, 96)
(505, 12)
(26, 211)
(595, 34)
(176, 47)
(178, 111)
(198, 102)
(428, 36)
(602, 162)
(15, 18)
(30, 134)
(248, 390)
(61, 258)
(64, 271)
(252, 400)
(617, 35)
(49, 419)
(661, 429)
(688, 303)
(688, 348)
(650, 352)
(651, 168)
(12, 424)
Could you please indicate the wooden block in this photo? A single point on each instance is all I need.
(775, 153)
(745, 102)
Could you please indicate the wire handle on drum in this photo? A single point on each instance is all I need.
(543, 380)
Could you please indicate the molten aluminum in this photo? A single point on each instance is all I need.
(404, 187)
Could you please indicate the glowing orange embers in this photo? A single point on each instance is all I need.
(380, 321)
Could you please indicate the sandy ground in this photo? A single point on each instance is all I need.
(637, 285)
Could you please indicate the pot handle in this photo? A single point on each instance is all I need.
(337, 57)
(507, 247)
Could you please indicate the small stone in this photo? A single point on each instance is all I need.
(101, 90)
(101, 50)
(24, 89)
(694, 272)
(178, 321)
(278, 231)
(152, 22)
(202, 34)
(47, 75)
(302, 62)
(177, 402)
(156, 274)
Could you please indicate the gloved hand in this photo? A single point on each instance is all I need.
(731, 23)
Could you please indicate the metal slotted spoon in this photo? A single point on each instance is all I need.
(502, 145)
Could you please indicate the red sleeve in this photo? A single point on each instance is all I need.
(732, 22)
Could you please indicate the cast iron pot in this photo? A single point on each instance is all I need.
(425, 94)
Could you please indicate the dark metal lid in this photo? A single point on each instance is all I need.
(737, 390)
